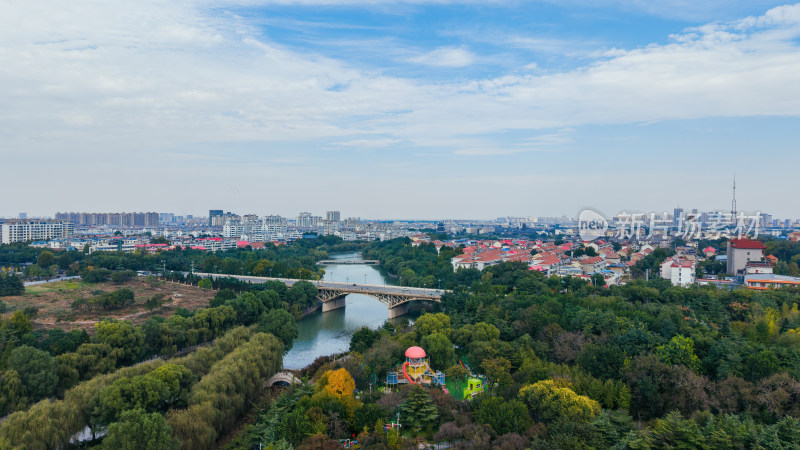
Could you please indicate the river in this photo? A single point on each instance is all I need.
(322, 334)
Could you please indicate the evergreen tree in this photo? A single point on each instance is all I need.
(417, 410)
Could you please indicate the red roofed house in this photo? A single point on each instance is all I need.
(592, 264)
(741, 251)
(680, 271)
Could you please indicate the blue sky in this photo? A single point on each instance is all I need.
(409, 109)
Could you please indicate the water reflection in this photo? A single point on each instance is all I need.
(329, 333)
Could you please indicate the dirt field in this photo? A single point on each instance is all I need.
(54, 300)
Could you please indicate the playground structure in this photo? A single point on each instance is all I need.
(468, 389)
(415, 370)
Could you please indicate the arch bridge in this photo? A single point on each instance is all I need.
(332, 295)
(284, 377)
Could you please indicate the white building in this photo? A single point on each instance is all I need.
(680, 271)
(232, 229)
(275, 227)
(329, 227)
(34, 230)
(306, 221)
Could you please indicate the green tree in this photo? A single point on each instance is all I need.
(45, 259)
(154, 391)
(418, 411)
(12, 395)
(281, 324)
(138, 430)
(503, 416)
(362, 339)
(440, 350)
(432, 323)
(679, 350)
(126, 341)
(36, 369)
(205, 283)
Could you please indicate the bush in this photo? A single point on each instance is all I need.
(122, 276)
(92, 275)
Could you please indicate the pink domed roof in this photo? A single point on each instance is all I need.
(415, 352)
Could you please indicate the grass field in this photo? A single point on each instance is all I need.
(53, 301)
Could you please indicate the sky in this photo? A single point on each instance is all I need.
(399, 109)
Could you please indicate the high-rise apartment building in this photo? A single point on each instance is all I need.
(34, 230)
(333, 216)
(306, 221)
(329, 227)
(677, 216)
(212, 213)
(138, 219)
(274, 225)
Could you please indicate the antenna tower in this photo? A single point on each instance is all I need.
(733, 201)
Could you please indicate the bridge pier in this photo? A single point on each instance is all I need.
(330, 305)
(399, 310)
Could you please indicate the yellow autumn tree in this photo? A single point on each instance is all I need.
(551, 400)
(339, 383)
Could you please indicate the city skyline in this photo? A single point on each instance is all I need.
(404, 109)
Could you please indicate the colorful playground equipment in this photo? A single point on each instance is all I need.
(473, 386)
(415, 370)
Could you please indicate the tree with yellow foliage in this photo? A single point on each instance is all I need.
(550, 400)
(338, 383)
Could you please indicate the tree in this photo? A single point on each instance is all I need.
(417, 411)
(36, 369)
(205, 283)
(432, 323)
(125, 339)
(362, 339)
(456, 372)
(281, 324)
(338, 383)
(503, 416)
(122, 276)
(153, 391)
(679, 350)
(11, 392)
(45, 259)
(440, 350)
(382, 356)
(138, 430)
(11, 285)
(550, 402)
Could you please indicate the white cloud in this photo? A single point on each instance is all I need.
(86, 81)
(445, 57)
(369, 143)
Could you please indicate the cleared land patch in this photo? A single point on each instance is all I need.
(54, 301)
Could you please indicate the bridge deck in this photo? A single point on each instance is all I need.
(348, 261)
(349, 288)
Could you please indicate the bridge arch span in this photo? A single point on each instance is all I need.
(285, 377)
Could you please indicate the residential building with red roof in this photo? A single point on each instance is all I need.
(741, 251)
